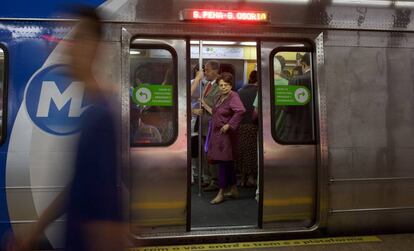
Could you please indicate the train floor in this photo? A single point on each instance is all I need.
(227, 213)
(392, 242)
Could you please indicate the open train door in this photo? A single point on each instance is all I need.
(291, 134)
(154, 138)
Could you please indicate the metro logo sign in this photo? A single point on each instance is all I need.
(55, 102)
(51, 93)
(225, 15)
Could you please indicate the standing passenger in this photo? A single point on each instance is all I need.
(247, 157)
(227, 113)
(208, 95)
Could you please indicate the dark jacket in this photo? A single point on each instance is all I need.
(247, 95)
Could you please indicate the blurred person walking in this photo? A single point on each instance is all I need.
(91, 201)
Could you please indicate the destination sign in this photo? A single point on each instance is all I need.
(225, 15)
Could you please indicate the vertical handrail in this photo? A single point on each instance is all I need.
(200, 134)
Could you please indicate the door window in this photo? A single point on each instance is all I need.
(292, 102)
(153, 102)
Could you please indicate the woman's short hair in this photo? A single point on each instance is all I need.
(226, 77)
(305, 59)
(253, 77)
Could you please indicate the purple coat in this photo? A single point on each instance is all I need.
(224, 146)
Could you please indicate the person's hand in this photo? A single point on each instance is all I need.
(203, 103)
(16, 244)
(197, 111)
(206, 106)
(225, 128)
(199, 75)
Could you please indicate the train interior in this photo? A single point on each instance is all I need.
(239, 59)
(153, 124)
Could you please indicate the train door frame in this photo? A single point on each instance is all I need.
(320, 123)
(129, 31)
(178, 147)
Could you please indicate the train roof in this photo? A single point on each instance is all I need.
(331, 14)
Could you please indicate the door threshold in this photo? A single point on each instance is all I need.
(221, 228)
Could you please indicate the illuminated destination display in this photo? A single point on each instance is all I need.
(225, 15)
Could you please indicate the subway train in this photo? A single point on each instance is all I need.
(351, 174)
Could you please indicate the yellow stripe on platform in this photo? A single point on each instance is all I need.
(263, 244)
(288, 202)
(159, 205)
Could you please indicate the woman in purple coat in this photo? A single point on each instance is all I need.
(227, 113)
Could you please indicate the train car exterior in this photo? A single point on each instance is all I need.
(352, 175)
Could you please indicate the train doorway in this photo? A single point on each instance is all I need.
(223, 186)
(163, 145)
(276, 140)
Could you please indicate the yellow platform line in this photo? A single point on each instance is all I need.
(288, 202)
(286, 216)
(264, 244)
(160, 222)
(159, 205)
(182, 204)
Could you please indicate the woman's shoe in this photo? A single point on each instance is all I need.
(217, 200)
(233, 195)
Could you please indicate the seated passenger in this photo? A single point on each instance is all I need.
(146, 134)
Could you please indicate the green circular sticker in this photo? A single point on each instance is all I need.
(302, 95)
(142, 95)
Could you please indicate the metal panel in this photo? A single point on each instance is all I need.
(369, 39)
(376, 222)
(370, 129)
(157, 175)
(372, 194)
(315, 13)
(312, 14)
(289, 171)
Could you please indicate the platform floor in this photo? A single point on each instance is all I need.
(228, 213)
(395, 242)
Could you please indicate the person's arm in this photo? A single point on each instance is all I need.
(237, 107)
(255, 112)
(206, 106)
(55, 210)
(196, 82)
(105, 235)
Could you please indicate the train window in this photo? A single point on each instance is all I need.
(292, 115)
(3, 93)
(152, 96)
